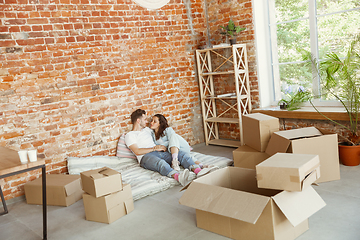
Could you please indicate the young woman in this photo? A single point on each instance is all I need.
(165, 135)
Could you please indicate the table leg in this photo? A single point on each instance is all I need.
(3, 202)
(44, 203)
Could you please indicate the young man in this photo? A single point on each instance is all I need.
(156, 157)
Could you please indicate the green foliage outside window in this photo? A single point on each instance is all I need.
(293, 37)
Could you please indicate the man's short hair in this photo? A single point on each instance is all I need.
(136, 115)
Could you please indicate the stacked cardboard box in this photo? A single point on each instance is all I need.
(257, 130)
(61, 190)
(106, 198)
(229, 202)
(287, 171)
(309, 140)
(270, 196)
(262, 140)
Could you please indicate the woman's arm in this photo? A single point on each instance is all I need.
(142, 151)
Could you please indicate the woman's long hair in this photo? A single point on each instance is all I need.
(163, 124)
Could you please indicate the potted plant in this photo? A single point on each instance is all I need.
(231, 31)
(340, 79)
(293, 101)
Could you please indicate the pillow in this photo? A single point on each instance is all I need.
(122, 150)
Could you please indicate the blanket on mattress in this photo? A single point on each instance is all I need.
(143, 182)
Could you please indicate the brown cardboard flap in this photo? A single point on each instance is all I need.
(72, 187)
(116, 212)
(103, 172)
(129, 206)
(325, 132)
(96, 176)
(260, 116)
(244, 206)
(300, 133)
(276, 144)
(298, 206)
(311, 177)
(108, 172)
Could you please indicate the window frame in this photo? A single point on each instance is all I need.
(267, 62)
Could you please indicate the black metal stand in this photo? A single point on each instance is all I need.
(3, 202)
(43, 173)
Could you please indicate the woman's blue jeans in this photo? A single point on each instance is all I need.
(161, 162)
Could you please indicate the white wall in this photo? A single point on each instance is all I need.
(263, 53)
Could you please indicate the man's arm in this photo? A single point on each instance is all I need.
(142, 151)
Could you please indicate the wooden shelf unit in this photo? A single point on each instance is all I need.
(238, 101)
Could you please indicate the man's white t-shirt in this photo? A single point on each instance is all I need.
(142, 139)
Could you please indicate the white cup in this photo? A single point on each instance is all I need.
(32, 155)
(23, 156)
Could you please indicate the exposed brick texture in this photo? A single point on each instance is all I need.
(289, 123)
(219, 13)
(72, 71)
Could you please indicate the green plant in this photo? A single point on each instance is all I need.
(340, 78)
(295, 100)
(231, 30)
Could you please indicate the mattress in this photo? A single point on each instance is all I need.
(143, 182)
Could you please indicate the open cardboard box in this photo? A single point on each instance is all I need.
(310, 140)
(247, 157)
(257, 130)
(100, 182)
(107, 209)
(61, 190)
(288, 171)
(228, 202)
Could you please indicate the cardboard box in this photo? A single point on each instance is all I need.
(109, 208)
(247, 157)
(100, 182)
(257, 130)
(288, 171)
(61, 190)
(228, 202)
(310, 140)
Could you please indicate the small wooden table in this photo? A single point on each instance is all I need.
(10, 165)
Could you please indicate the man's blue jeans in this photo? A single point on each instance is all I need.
(161, 162)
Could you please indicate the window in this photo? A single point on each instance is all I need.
(294, 26)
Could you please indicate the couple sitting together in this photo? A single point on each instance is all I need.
(160, 149)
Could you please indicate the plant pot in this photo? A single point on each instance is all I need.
(349, 155)
(232, 41)
(283, 105)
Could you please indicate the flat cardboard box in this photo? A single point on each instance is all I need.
(247, 157)
(288, 171)
(257, 130)
(310, 140)
(107, 209)
(61, 190)
(228, 202)
(100, 182)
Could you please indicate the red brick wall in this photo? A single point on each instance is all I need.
(240, 11)
(219, 14)
(289, 123)
(71, 72)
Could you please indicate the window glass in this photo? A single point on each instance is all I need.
(291, 9)
(294, 77)
(335, 32)
(330, 6)
(292, 38)
(333, 26)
